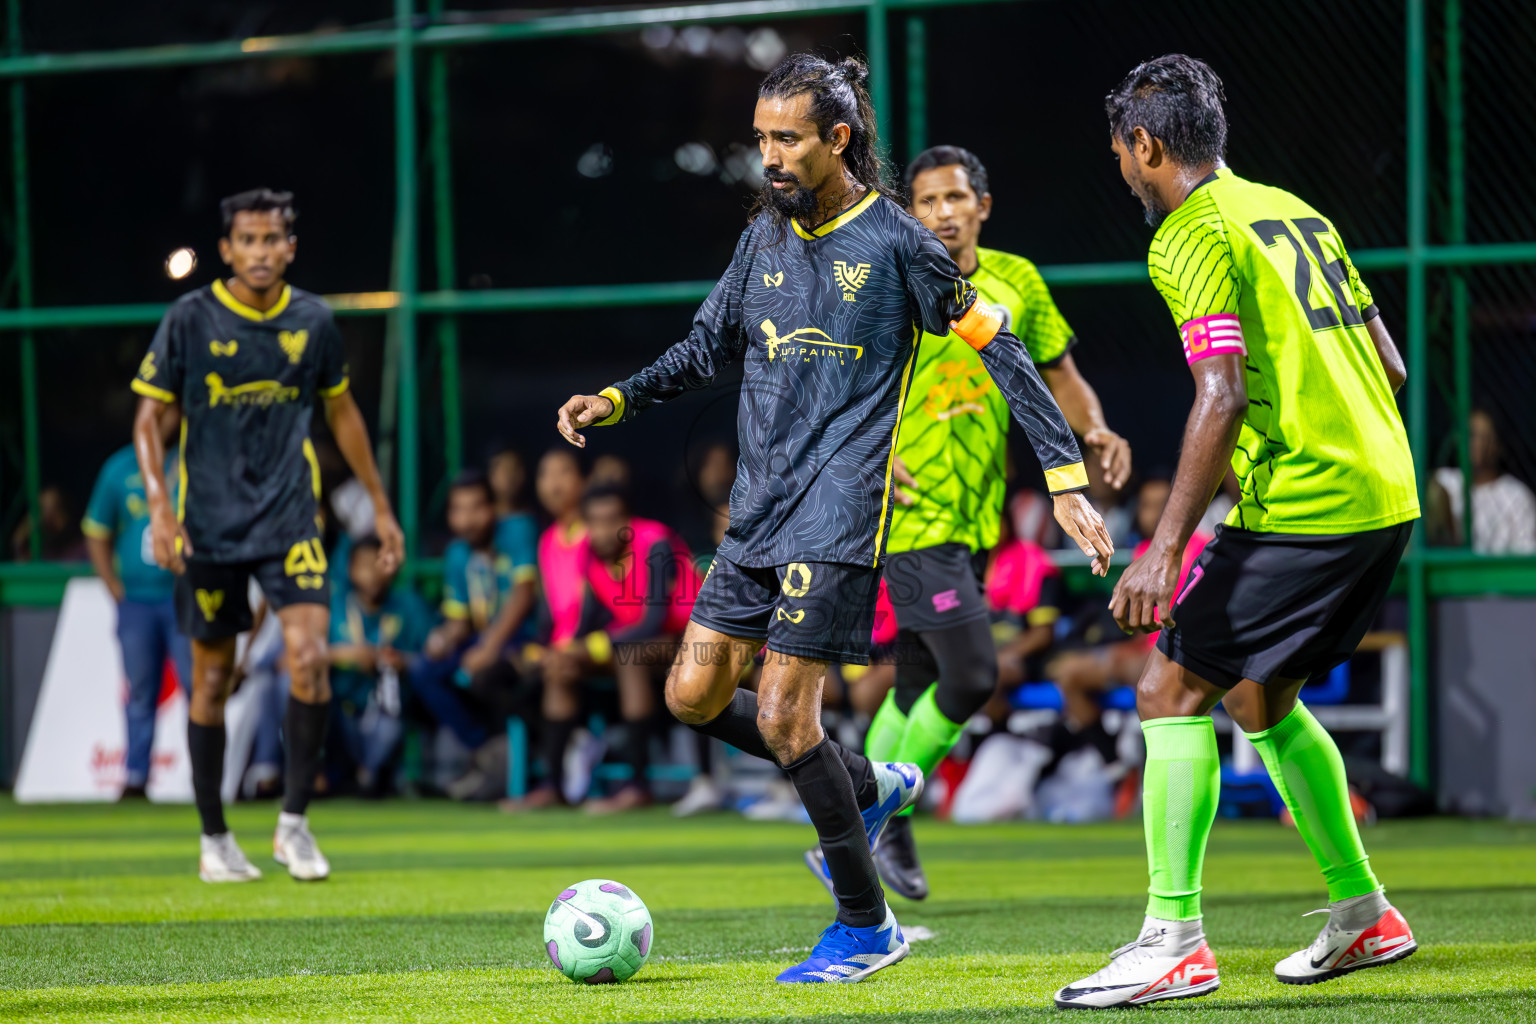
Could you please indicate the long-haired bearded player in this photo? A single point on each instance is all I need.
(828, 291)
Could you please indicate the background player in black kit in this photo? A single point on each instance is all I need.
(244, 360)
(828, 291)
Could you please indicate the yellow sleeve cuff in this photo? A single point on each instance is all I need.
(599, 647)
(150, 391)
(1042, 616)
(336, 389)
(91, 528)
(455, 610)
(615, 396)
(1066, 478)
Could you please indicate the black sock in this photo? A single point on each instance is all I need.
(205, 749)
(557, 736)
(636, 751)
(821, 779)
(304, 728)
(737, 725)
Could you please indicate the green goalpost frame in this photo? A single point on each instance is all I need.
(1430, 573)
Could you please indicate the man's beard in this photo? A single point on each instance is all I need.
(798, 202)
(1151, 209)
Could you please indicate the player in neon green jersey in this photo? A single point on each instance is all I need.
(1294, 381)
(951, 455)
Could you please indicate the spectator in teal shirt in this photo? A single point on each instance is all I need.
(377, 632)
(116, 528)
(468, 682)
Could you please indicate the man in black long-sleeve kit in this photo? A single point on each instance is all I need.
(827, 293)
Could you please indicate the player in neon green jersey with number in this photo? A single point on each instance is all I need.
(951, 456)
(1294, 381)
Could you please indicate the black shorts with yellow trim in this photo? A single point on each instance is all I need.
(934, 588)
(819, 610)
(1268, 606)
(211, 597)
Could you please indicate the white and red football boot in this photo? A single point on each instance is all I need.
(1363, 932)
(1171, 960)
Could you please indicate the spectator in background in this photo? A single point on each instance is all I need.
(1023, 589)
(377, 630)
(508, 474)
(1113, 659)
(1503, 508)
(116, 528)
(62, 541)
(639, 586)
(468, 682)
(610, 469)
(712, 486)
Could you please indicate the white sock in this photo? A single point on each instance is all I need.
(1359, 912)
(286, 820)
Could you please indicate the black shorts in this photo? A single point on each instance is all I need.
(1265, 606)
(820, 610)
(934, 588)
(211, 597)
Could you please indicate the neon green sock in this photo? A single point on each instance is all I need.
(884, 739)
(929, 735)
(1305, 765)
(1178, 808)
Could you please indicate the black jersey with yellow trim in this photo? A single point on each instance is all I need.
(246, 381)
(827, 321)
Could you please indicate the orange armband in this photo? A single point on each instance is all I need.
(978, 326)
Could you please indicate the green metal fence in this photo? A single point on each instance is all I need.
(1430, 573)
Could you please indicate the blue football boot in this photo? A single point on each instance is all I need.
(851, 954)
(898, 786)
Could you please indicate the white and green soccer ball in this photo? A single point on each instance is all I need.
(598, 931)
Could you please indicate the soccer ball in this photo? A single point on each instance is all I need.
(597, 931)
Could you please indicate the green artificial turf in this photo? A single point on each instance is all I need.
(434, 914)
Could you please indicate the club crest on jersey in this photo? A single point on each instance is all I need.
(147, 368)
(293, 343)
(850, 278)
(209, 602)
(807, 343)
(773, 280)
(223, 348)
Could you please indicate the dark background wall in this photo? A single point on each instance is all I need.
(128, 166)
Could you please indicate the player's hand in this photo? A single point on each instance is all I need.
(904, 478)
(437, 646)
(391, 541)
(388, 657)
(1086, 528)
(478, 658)
(1114, 454)
(165, 531)
(578, 411)
(1145, 593)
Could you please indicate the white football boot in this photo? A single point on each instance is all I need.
(294, 847)
(1171, 960)
(1362, 932)
(222, 860)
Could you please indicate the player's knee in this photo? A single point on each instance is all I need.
(686, 703)
(785, 735)
(306, 665)
(965, 687)
(210, 683)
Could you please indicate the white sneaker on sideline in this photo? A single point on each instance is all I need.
(1171, 960)
(222, 860)
(294, 847)
(703, 795)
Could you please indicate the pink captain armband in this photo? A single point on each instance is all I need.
(1220, 334)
